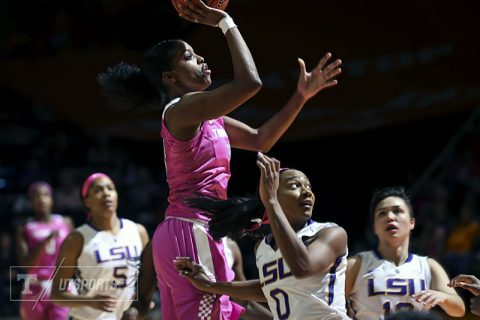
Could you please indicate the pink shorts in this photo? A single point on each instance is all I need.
(179, 237)
(44, 309)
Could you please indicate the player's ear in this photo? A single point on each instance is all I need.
(169, 77)
(412, 223)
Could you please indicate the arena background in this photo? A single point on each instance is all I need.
(405, 110)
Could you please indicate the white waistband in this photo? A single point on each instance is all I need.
(194, 221)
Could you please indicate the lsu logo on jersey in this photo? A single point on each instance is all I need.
(395, 286)
(274, 270)
(116, 253)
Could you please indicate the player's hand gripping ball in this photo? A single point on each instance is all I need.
(217, 4)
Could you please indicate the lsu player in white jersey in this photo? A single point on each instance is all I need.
(301, 263)
(98, 262)
(390, 278)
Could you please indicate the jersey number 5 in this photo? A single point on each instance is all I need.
(119, 273)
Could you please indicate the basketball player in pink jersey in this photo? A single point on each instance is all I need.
(38, 244)
(197, 136)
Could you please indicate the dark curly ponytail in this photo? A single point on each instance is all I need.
(129, 87)
(231, 217)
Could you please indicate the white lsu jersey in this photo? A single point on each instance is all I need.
(321, 296)
(382, 287)
(108, 265)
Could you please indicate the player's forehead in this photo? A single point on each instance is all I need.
(293, 175)
(42, 190)
(184, 47)
(391, 203)
(102, 182)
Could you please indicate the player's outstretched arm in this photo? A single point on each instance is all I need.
(245, 290)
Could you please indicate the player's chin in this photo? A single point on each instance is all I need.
(207, 81)
(109, 211)
(307, 214)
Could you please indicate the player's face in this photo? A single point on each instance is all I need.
(42, 201)
(102, 197)
(296, 197)
(190, 72)
(392, 219)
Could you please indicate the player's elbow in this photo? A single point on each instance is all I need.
(263, 142)
(253, 84)
(458, 311)
(257, 84)
(251, 76)
(457, 314)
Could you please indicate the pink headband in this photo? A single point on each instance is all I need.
(88, 182)
(34, 186)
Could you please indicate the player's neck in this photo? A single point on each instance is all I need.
(111, 223)
(45, 218)
(394, 252)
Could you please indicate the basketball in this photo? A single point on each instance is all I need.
(217, 4)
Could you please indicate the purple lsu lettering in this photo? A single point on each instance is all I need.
(116, 253)
(274, 270)
(395, 287)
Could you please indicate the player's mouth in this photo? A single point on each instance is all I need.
(306, 203)
(391, 228)
(205, 70)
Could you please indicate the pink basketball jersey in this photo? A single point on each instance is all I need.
(37, 231)
(200, 165)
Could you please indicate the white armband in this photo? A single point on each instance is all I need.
(226, 23)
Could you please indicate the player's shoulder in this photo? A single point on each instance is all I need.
(75, 236)
(74, 242)
(364, 257)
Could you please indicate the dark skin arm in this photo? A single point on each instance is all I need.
(466, 281)
(187, 115)
(66, 266)
(254, 311)
(143, 235)
(472, 284)
(309, 84)
(304, 260)
(243, 290)
(146, 286)
(353, 267)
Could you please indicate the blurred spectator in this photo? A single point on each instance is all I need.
(460, 240)
(433, 222)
